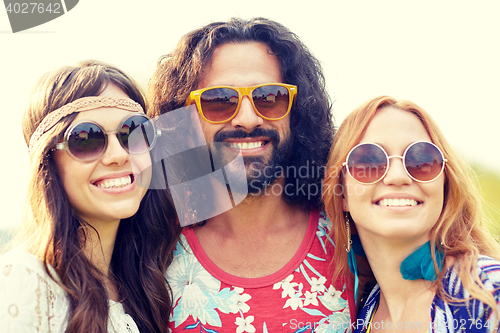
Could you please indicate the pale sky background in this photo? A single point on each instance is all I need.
(442, 55)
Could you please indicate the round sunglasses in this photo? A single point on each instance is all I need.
(368, 163)
(86, 140)
(271, 101)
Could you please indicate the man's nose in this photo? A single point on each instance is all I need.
(246, 116)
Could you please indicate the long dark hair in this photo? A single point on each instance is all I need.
(144, 242)
(178, 73)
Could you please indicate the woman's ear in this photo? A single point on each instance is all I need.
(345, 205)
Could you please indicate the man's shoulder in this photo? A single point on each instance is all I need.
(324, 221)
(324, 227)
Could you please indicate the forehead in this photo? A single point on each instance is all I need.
(241, 64)
(112, 90)
(108, 118)
(395, 129)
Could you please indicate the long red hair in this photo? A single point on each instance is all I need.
(459, 232)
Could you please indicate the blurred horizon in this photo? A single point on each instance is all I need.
(440, 55)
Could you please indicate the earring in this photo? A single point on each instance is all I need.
(349, 240)
(351, 259)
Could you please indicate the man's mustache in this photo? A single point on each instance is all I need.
(272, 134)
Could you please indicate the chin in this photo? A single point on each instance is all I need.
(407, 235)
(124, 212)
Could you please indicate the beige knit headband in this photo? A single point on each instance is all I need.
(81, 105)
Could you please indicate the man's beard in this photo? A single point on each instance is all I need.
(261, 171)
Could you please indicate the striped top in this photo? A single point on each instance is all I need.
(469, 316)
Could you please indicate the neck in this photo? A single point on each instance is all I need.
(241, 240)
(400, 299)
(264, 212)
(99, 244)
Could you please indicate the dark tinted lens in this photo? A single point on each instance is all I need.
(271, 101)
(86, 141)
(219, 104)
(137, 134)
(367, 163)
(423, 161)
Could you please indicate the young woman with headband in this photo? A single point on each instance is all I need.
(95, 243)
(394, 181)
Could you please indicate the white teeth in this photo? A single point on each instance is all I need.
(397, 202)
(117, 182)
(254, 145)
(246, 145)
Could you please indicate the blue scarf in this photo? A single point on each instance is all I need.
(419, 264)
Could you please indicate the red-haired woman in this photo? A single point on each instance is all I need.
(394, 181)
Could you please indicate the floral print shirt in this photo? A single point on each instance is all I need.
(300, 297)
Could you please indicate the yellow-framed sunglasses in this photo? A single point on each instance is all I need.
(220, 104)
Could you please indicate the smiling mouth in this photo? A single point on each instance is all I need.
(115, 182)
(397, 202)
(247, 145)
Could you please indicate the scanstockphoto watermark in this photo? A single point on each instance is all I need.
(24, 15)
(362, 324)
(461, 325)
(295, 186)
(310, 170)
(206, 180)
(357, 325)
(295, 324)
(454, 324)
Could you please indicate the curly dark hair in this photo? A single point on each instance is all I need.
(178, 73)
